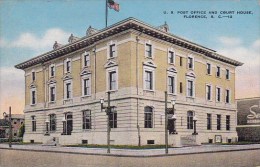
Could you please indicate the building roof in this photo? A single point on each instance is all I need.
(17, 116)
(129, 23)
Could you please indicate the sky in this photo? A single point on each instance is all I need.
(30, 27)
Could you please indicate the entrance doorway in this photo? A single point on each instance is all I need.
(69, 123)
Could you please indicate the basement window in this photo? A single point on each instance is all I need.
(150, 141)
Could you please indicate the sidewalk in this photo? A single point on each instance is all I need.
(134, 152)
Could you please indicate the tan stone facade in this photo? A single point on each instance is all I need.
(134, 70)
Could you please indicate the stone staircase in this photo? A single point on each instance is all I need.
(54, 141)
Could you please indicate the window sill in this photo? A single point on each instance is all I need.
(32, 105)
(148, 90)
(85, 96)
(148, 57)
(171, 63)
(190, 97)
(112, 90)
(52, 102)
(172, 94)
(86, 130)
(209, 74)
(111, 58)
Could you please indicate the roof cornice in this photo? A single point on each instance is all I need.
(129, 23)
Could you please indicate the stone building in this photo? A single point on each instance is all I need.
(17, 121)
(137, 63)
(248, 119)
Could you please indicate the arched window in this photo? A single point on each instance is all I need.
(190, 120)
(86, 119)
(33, 123)
(52, 122)
(148, 117)
(113, 118)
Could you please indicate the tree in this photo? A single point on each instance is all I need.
(21, 130)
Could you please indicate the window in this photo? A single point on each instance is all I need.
(218, 94)
(33, 76)
(171, 84)
(181, 61)
(171, 56)
(52, 122)
(190, 90)
(189, 120)
(112, 80)
(208, 92)
(15, 122)
(148, 80)
(148, 117)
(86, 119)
(218, 122)
(208, 68)
(148, 50)
(112, 50)
(33, 96)
(180, 87)
(227, 74)
(86, 86)
(52, 93)
(86, 60)
(218, 71)
(68, 90)
(33, 124)
(68, 65)
(52, 70)
(113, 118)
(208, 121)
(227, 99)
(190, 63)
(228, 122)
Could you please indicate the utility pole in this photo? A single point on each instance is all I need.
(10, 127)
(108, 112)
(166, 125)
(108, 123)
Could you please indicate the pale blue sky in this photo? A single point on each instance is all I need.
(30, 27)
(37, 16)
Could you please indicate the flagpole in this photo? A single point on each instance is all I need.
(106, 12)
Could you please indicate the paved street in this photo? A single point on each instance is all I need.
(41, 156)
(18, 158)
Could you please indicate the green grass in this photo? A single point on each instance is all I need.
(234, 143)
(241, 143)
(117, 146)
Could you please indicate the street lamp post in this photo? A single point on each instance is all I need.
(166, 124)
(108, 112)
(195, 120)
(10, 125)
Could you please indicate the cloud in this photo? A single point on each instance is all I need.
(12, 90)
(230, 41)
(31, 41)
(247, 76)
